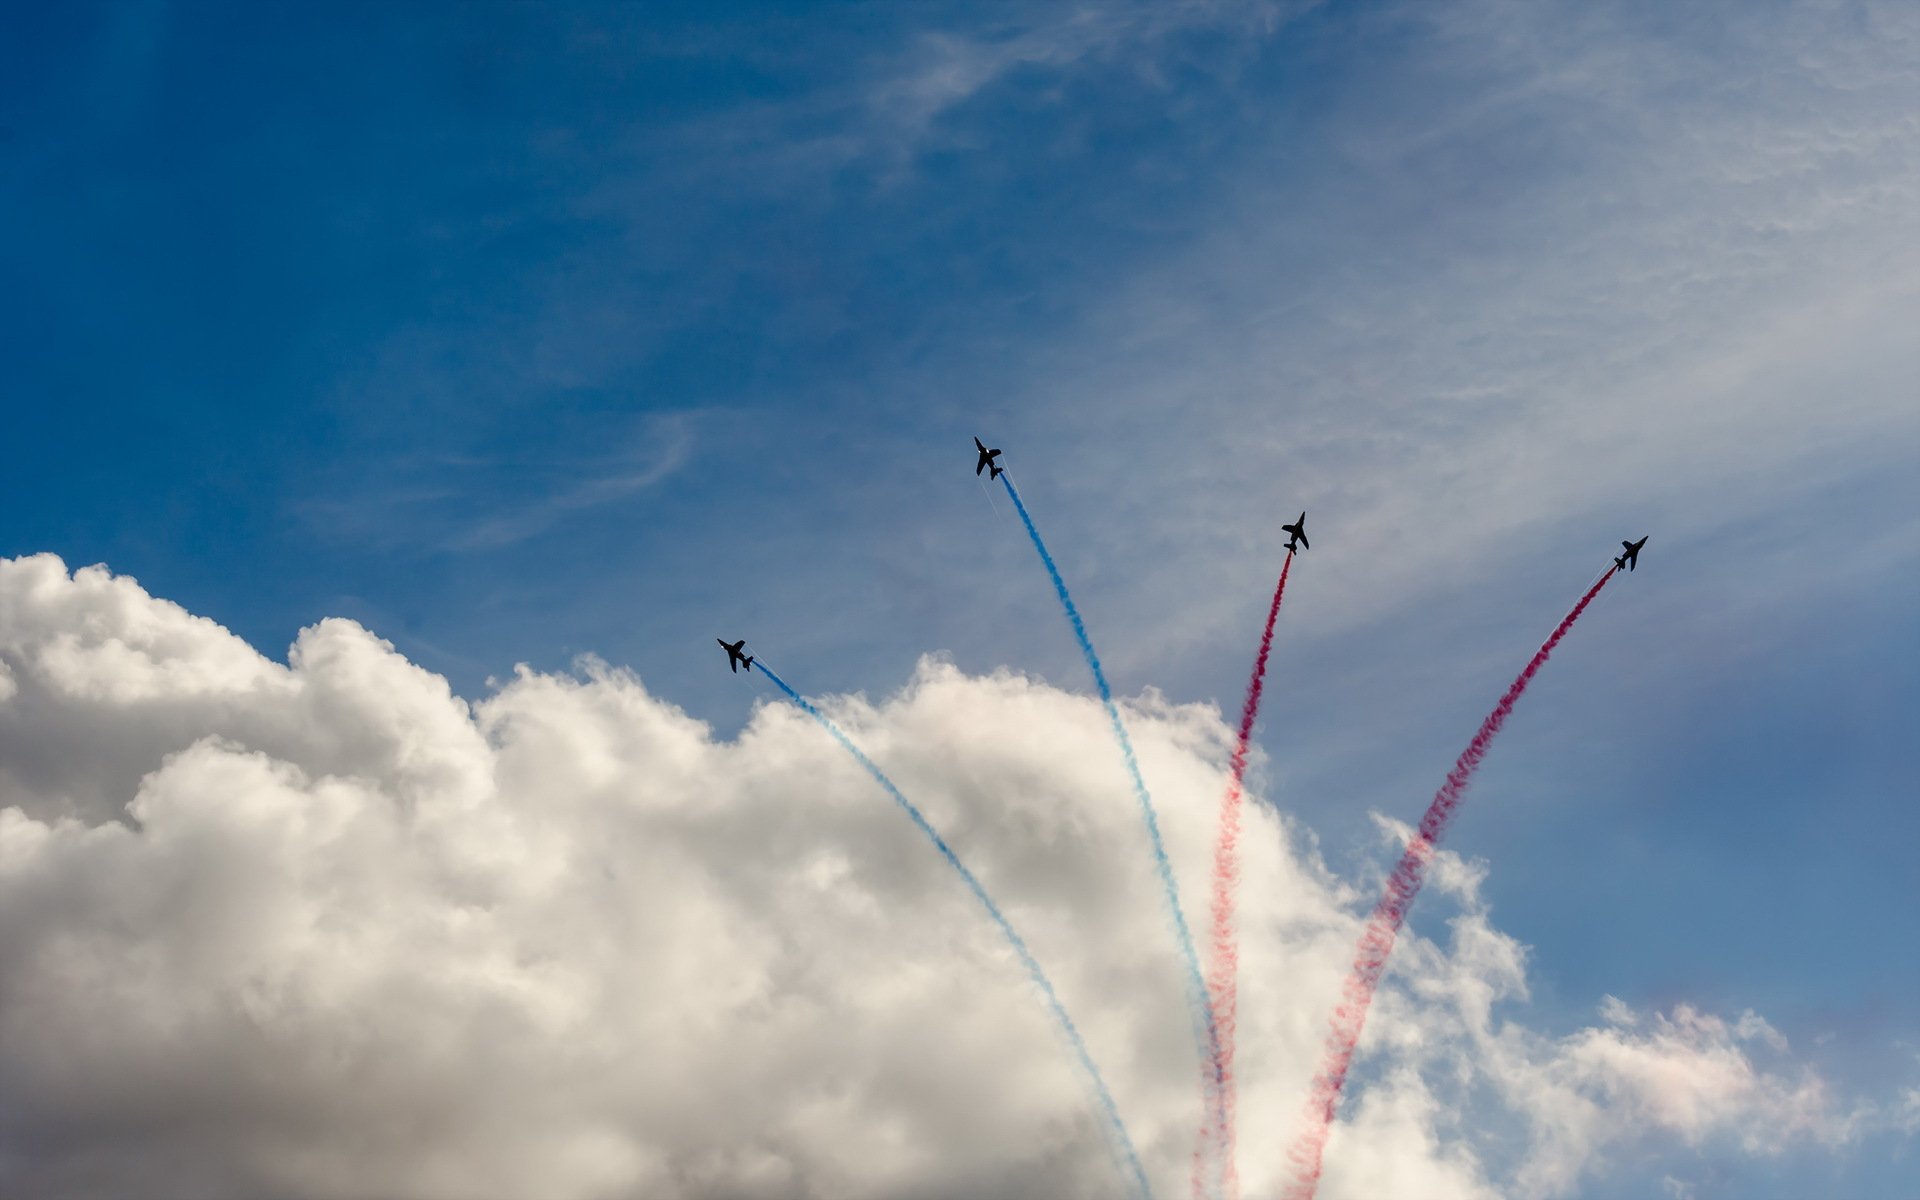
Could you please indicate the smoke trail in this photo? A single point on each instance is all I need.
(1206, 1032)
(1116, 1129)
(1383, 927)
(1223, 967)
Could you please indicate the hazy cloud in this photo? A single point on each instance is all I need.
(1573, 268)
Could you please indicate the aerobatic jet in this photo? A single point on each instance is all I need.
(735, 659)
(1632, 556)
(1298, 532)
(986, 460)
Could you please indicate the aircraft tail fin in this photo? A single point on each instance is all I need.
(749, 662)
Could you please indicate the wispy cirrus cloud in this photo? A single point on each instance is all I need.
(663, 451)
(940, 71)
(888, 107)
(460, 503)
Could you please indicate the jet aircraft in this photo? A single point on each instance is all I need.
(1298, 530)
(735, 659)
(1631, 557)
(986, 460)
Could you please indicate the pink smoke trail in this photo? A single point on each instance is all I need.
(1370, 957)
(1223, 967)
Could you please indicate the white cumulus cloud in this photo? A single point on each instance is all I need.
(323, 929)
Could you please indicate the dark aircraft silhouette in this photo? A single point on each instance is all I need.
(1632, 555)
(986, 460)
(735, 659)
(1298, 530)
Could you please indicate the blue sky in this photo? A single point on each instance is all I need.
(524, 332)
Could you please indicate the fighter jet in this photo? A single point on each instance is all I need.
(1632, 556)
(986, 460)
(735, 659)
(1298, 530)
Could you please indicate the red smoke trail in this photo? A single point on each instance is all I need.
(1223, 969)
(1370, 959)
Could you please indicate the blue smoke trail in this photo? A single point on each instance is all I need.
(1116, 1128)
(1206, 1032)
